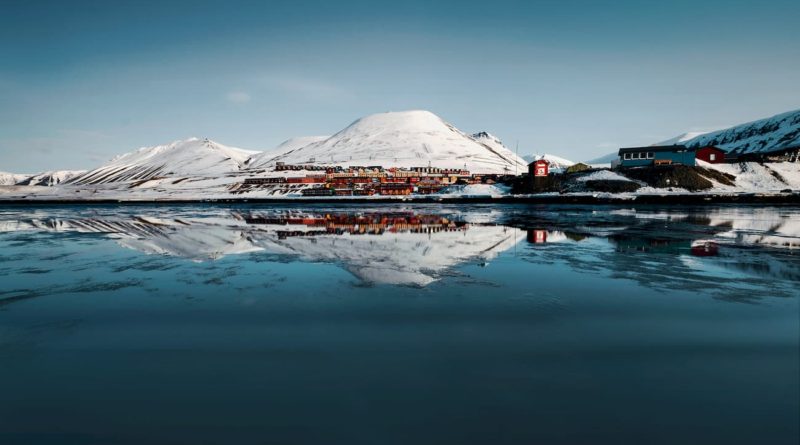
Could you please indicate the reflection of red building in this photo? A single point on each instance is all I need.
(710, 154)
(705, 248)
(537, 236)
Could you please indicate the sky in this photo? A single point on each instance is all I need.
(83, 81)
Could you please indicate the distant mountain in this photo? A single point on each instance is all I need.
(556, 163)
(772, 134)
(191, 157)
(605, 159)
(12, 178)
(406, 139)
(51, 178)
(262, 159)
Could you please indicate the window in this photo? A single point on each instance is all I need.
(626, 156)
(712, 157)
(651, 155)
(634, 155)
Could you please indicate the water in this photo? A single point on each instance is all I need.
(437, 324)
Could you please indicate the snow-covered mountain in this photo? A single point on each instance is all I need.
(51, 178)
(681, 138)
(605, 159)
(262, 159)
(12, 178)
(406, 139)
(557, 163)
(190, 157)
(775, 133)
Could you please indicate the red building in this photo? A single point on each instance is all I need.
(540, 167)
(710, 154)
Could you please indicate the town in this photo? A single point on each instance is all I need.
(659, 166)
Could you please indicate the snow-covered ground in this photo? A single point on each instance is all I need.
(602, 175)
(755, 177)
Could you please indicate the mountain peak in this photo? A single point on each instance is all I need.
(405, 139)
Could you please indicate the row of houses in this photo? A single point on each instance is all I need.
(367, 181)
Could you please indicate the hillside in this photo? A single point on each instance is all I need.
(263, 159)
(775, 133)
(51, 178)
(190, 157)
(12, 178)
(406, 139)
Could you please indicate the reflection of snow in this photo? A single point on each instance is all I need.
(406, 258)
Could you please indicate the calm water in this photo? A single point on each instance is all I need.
(398, 325)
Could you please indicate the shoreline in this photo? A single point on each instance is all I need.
(675, 199)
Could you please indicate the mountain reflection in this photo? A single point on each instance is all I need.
(416, 246)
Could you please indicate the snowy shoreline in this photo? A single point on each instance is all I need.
(792, 198)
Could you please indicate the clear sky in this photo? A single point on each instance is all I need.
(82, 81)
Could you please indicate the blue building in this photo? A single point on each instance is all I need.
(656, 155)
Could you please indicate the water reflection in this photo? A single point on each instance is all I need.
(417, 245)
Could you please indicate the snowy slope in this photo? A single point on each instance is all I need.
(12, 178)
(190, 157)
(406, 139)
(557, 164)
(51, 178)
(262, 159)
(680, 139)
(762, 136)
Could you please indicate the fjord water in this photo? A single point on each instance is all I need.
(399, 324)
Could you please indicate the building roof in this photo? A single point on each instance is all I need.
(656, 148)
(712, 147)
(538, 161)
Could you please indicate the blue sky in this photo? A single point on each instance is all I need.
(82, 81)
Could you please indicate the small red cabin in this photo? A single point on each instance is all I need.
(539, 167)
(710, 154)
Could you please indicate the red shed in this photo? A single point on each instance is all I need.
(711, 154)
(539, 167)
